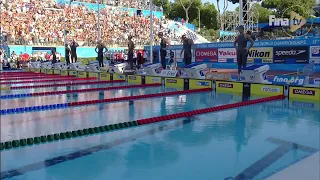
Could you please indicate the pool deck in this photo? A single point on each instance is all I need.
(308, 169)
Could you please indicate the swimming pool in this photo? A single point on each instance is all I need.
(211, 146)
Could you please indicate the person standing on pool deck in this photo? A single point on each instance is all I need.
(240, 44)
(187, 46)
(67, 53)
(99, 50)
(74, 46)
(164, 44)
(130, 51)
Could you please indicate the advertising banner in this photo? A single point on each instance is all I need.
(82, 74)
(174, 83)
(64, 73)
(260, 53)
(291, 55)
(266, 90)
(103, 76)
(289, 80)
(73, 73)
(56, 71)
(133, 79)
(199, 84)
(206, 55)
(227, 55)
(118, 77)
(315, 54)
(93, 75)
(222, 76)
(153, 80)
(233, 87)
(305, 94)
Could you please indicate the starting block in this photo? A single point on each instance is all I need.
(256, 73)
(47, 65)
(93, 66)
(35, 65)
(77, 66)
(153, 69)
(60, 66)
(119, 68)
(195, 71)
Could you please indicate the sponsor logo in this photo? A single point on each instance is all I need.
(270, 89)
(171, 81)
(246, 85)
(291, 52)
(315, 51)
(289, 80)
(120, 76)
(132, 77)
(225, 85)
(169, 73)
(155, 80)
(218, 76)
(260, 53)
(206, 53)
(227, 53)
(267, 61)
(304, 61)
(279, 61)
(302, 104)
(103, 75)
(203, 83)
(316, 81)
(304, 92)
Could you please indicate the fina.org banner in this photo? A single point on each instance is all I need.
(260, 53)
(291, 55)
(207, 55)
(315, 54)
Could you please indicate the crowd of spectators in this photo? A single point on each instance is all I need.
(41, 22)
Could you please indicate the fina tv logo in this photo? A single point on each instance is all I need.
(295, 22)
(289, 80)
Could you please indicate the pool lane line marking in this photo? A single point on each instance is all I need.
(64, 84)
(91, 102)
(95, 130)
(284, 147)
(69, 79)
(89, 151)
(12, 96)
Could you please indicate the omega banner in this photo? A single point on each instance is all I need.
(206, 55)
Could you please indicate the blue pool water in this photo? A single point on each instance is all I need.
(208, 147)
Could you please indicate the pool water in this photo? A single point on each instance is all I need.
(211, 146)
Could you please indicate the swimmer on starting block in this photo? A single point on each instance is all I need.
(240, 44)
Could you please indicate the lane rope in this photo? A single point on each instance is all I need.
(91, 102)
(65, 84)
(107, 128)
(49, 80)
(33, 77)
(11, 96)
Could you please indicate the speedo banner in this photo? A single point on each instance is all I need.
(291, 55)
(199, 84)
(304, 94)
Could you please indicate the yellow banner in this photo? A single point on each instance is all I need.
(133, 79)
(266, 90)
(153, 80)
(43, 70)
(225, 86)
(199, 84)
(93, 74)
(174, 83)
(37, 70)
(82, 74)
(56, 71)
(304, 93)
(73, 73)
(304, 105)
(5, 88)
(119, 77)
(260, 53)
(64, 72)
(103, 76)
(49, 71)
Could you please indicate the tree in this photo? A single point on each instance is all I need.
(186, 8)
(165, 4)
(208, 16)
(280, 7)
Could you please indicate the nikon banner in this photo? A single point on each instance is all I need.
(261, 53)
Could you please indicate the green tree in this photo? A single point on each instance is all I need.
(302, 7)
(262, 12)
(208, 16)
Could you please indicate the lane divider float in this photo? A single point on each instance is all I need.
(11, 96)
(50, 80)
(110, 100)
(107, 128)
(65, 84)
(33, 77)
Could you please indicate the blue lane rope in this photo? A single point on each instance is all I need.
(12, 96)
(34, 108)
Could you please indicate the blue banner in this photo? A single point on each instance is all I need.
(289, 80)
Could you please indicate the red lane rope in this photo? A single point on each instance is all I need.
(65, 84)
(28, 75)
(50, 80)
(93, 89)
(126, 98)
(207, 110)
(33, 77)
